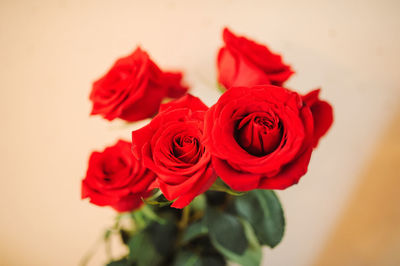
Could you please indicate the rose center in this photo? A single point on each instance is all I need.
(259, 133)
(112, 166)
(186, 148)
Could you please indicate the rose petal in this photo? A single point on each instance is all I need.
(322, 113)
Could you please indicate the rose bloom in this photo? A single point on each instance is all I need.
(116, 178)
(172, 146)
(262, 137)
(243, 62)
(134, 88)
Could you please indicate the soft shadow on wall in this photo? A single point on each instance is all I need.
(368, 232)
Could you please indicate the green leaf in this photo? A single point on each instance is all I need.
(121, 262)
(162, 237)
(262, 209)
(252, 256)
(199, 203)
(213, 260)
(226, 232)
(194, 230)
(187, 258)
(142, 251)
(190, 258)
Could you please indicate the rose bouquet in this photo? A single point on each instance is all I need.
(195, 185)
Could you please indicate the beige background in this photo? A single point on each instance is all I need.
(51, 51)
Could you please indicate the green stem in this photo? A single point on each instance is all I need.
(185, 217)
(139, 220)
(108, 248)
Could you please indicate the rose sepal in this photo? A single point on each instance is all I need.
(220, 186)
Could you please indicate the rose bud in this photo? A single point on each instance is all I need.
(171, 145)
(116, 178)
(134, 88)
(262, 137)
(243, 62)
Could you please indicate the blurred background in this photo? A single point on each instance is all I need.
(345, 211)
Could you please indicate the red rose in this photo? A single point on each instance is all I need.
(172, 146)
(115, 178)
(262, 137)
(242, 62)
(134, 88)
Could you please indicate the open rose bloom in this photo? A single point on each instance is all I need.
(115, 178)
(172, 146)
(262, 137)
(133, 88)
(196, 182)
